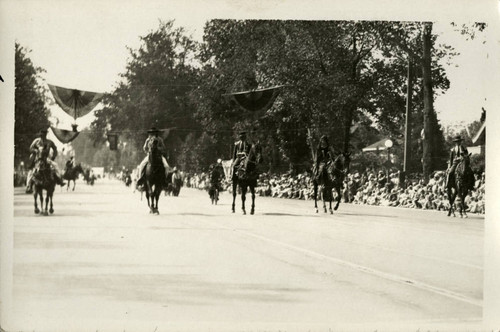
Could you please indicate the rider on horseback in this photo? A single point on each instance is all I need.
(324, 154)
(69, 165)
(241, 150)
(39, 145)
(152, 138)
(455, 157)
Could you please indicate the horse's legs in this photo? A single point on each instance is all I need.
(315, 187)
(451, 198)
(235, 185)
(324, 196)
(35, 196)
(462, 205)
(252, 191)
(147, 198)
(337, 189)
(51, 205)
(157, 196)
(330, 199)
(243, 197)
(74, 184)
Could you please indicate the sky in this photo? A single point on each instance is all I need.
(83, 44)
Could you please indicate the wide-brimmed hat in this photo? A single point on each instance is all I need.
(153, 130)
(457, 138)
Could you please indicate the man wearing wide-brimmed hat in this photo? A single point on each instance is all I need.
(39, 144)
(152, 137)
(455, 157)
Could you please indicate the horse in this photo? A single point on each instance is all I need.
(44, 179)
(331, 178)
(459, 185)
(155, 178)
(245, 176)
(71, 174)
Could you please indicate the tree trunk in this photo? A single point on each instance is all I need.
(428, 101)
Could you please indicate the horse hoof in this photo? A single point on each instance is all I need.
(335, 208)
(45, 213)
(51, 211)
(244, 212)
(252, 212)
(331, 211)
(317, 211)
(37, 211)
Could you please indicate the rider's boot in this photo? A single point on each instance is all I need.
(140, 181)
(29, 187)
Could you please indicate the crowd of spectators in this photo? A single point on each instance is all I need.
(369, 187)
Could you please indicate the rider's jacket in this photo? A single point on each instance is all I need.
(215, 175)
(456, 153)
(149, 143)
(241, 147)
(323, 155)
(46, 144)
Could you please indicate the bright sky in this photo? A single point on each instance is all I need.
(83, 44)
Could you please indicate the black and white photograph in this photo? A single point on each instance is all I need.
(249, 166)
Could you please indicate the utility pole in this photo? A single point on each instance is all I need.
(407, 152)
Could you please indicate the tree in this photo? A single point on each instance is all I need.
(31, 112)
(154, 91)
(335, 72)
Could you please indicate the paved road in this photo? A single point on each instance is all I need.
(101, 262)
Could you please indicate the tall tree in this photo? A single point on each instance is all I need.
(31, 112)
(154, 90)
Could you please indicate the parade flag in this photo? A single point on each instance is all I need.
(64, 136)
(255, 100)
(76, 103)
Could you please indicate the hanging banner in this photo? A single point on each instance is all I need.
(259, 100)
(64, 136)
(76, 103)
(113, 141)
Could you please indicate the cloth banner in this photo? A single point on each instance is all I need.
(64, 136)
(76, 103)
(228, 170)
(255, 100)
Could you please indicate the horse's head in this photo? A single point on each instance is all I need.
(78, 168)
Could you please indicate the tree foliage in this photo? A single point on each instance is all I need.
(154, 90)
(31, 112)
(345, 79)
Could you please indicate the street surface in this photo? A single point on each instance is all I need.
(103, 263)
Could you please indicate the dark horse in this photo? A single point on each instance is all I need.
(71, 174)
(331, 177)
(459, 185)
(155, 178)
(246, 174)
(44, 179)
